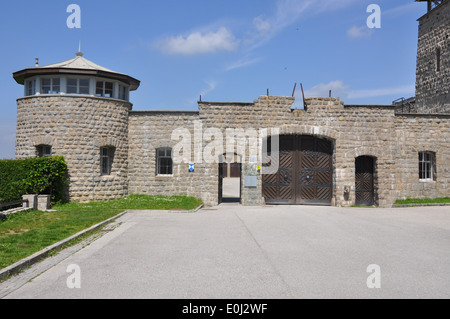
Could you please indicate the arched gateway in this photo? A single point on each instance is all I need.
(305, 172)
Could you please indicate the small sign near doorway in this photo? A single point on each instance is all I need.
(191, 167)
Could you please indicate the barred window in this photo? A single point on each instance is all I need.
(106, 159)
(164, 161)
(44, 150)
(427, 166)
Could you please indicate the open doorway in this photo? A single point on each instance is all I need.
(230, 171)
(365, 181)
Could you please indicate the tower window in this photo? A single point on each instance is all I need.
(438, 59)
(30, 87)
(106, 159)
(164, 163)
(78, 86)
(427, 166)
(50, 86)
(104, 89)
(44, 150)
(123, 92)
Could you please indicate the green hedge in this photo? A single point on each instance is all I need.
(44, 175)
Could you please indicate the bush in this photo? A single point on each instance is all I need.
(44, 175)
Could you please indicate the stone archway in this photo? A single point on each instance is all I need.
(305, 171)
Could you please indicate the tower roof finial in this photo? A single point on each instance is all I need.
(79, 53)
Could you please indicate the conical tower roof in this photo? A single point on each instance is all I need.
(76, 66)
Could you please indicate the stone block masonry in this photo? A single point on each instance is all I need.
(433, 61)
(356, 130)
(76, 127)
(151, 130)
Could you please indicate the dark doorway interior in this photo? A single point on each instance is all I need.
(365, 181)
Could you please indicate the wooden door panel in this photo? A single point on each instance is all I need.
(315, 184)
(305, 172)
(235, 170)
(364, 181)
(278, 187)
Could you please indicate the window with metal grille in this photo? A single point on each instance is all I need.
(164, 163)
(106, 160)
(44, 150)
(427, 168)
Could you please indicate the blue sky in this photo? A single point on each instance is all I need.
(223, 50)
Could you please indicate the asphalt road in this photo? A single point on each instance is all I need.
(233, 252)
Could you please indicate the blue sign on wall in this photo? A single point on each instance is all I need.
(191, 167)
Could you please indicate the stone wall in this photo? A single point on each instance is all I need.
(356, 130)
(150, 130)
(422, 133)
(76, 127)
(432, 86)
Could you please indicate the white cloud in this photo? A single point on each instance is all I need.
(199, 43)
(242, 63)
(359, 32)
(407, 90)
(285, 14)
(262, 25)
(338, 88)
(211, 86)
(344, 91)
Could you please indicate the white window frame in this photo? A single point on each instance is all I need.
(103, 94)
(125, 90)
(30, 86)
(51, 91)
(427, 166)
(78, 79)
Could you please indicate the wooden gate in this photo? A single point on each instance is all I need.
(305, 173)
(364, 181)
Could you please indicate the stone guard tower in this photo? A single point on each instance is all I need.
(78, 109)
(433, 59)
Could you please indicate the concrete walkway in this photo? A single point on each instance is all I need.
(255, 252)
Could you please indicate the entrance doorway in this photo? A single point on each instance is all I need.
(230, 172)
(305, 173)
(365, 181)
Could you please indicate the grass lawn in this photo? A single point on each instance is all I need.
(423, 201)
(26, 233)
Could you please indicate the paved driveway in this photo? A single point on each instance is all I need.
(258, 252)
